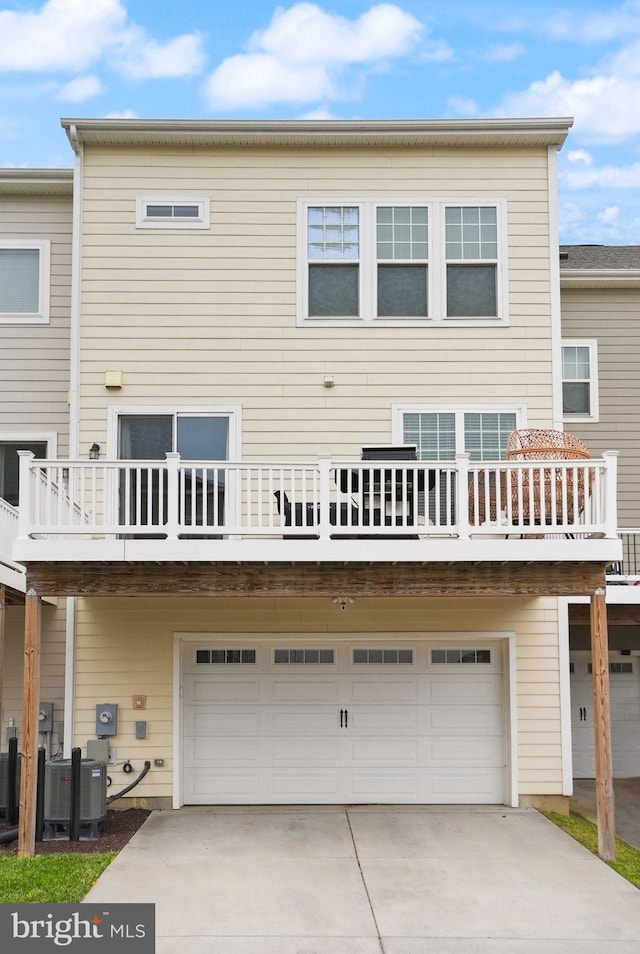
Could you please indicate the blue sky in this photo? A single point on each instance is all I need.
(339, 59)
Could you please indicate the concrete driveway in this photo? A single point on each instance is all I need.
(371, 881)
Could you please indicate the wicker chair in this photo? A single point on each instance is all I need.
(528, 490)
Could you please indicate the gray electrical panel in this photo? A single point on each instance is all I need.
(106, 718)
(45, 717)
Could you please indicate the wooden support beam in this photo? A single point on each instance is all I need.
(31, 690)
(288, 580)
(602, 726)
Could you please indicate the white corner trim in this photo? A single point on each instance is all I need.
(566, 751)
(554, 282)
(177, 721)
(69, 675)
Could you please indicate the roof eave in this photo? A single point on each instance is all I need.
(599, 277)
(539, 132)
(36, 181)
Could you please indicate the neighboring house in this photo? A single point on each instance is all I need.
(267, 613)
(600, 290)
(35, 295)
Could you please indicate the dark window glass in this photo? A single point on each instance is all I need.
(203, 655)
(471, 291)
(575, 397)
(333, 291)
(9, 466)
(402, 291)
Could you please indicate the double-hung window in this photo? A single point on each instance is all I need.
(24, 281)
(401, 261)
(579, 380)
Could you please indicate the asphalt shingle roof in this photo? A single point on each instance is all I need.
(599, 257)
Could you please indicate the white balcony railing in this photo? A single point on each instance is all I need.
(326, 499)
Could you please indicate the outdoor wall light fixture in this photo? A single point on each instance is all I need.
(94, 451)
(328, 381)
(344, 602)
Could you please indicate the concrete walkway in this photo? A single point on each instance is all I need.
(371, 881)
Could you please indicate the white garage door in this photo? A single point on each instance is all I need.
(624, 689)
(333, 723)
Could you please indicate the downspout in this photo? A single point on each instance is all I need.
(554, 282)
(74, 384)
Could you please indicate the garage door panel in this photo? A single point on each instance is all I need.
(383, 720)
(310, 751)
(475, 752)
(465, 689)
(380, 690)
(299, 786)
(295, 721)
(378, 786)
(216, 720)
(461, 786)
(231, 787)
(474, 720)
(389, 751)
(304, 690)
(237, 691)
(208, 752)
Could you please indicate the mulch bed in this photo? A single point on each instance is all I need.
(119, 827)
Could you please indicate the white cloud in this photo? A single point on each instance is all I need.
(610, 216)
(580, 155)
(81, 88)
(603, 177)
(463, 106)
(504, 53)
(303, 53)
(306, 34)
(587, 27)
(148, 59)
(71, 35)
(604, 107)
(122, 114)
(320, 113)
(62, 35)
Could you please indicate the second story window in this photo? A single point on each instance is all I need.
(406, 262)
(24, 282)
(579, 380)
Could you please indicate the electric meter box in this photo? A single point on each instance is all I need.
(106, 718)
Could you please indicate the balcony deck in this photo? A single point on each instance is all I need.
(115, 514)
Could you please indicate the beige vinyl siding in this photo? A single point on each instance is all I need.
(34, 359)
(612, 316)
(207, 317)
(125, 647)
(52, 662)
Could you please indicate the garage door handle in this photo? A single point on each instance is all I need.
(341, 717)
(346, 718)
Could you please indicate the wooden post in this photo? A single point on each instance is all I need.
(602, 726)
(31, 690)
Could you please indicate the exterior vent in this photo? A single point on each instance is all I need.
(57, 793)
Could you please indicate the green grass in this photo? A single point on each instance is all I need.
(60, 879)
(627, 861)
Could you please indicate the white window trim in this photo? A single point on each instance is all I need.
(592, 345)
(437, 274)
(42, 315)
(399, 410)
(143, 221)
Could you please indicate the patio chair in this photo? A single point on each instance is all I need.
(551, 494)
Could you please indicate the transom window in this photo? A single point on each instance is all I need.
(24, 282)
(383, 656)
(303, 657)
(226, 657)
(461, 656)
(400, 260)
(177, 212)
(579, 380)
